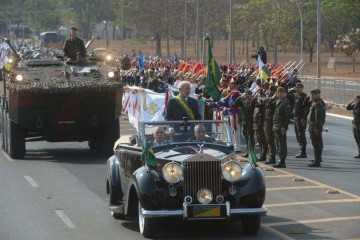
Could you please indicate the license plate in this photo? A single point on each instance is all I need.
(206, 211)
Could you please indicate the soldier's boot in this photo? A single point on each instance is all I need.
(262, 158)
(271, 160)
(314, 163)
(280, 164)
(317, 158)
(302, 153)
(357, 156)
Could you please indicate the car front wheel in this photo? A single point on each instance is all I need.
(147, 226)
(251, 224)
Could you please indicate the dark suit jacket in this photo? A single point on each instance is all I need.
(175, 112)
(207, 139)
(152, 143)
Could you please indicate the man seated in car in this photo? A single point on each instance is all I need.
(159, 137)
(200, 136)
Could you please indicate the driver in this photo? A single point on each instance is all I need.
(159, 136)
(199, 132)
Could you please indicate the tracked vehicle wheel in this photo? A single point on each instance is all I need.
(108, 137)
(16, 140)
(2, 130)
(6, 131)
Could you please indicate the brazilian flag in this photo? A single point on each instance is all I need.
(251, 154)
(148, 156)
(213, 76)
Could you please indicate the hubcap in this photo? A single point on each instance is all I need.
(141, 219)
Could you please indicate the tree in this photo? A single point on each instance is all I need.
(349, 44)
(346, 13)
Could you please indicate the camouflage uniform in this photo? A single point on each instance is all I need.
(72, 47)
(260, 133)
(281, 119)
(316, 120)
(299, 119)
(270, 105)
(248, 108)
(355, 107)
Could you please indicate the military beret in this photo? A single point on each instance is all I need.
(73, 28)
(248, 92)
(273, 88)
(281, 89)
(319, 91)
(299, 85)
(358, 96)
(314, 91)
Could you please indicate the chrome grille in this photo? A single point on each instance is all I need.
(202, 174)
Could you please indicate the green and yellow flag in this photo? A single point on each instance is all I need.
(148, 156)
(251, 154)
(213, 76)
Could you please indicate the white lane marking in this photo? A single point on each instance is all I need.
(8, 157)
(65, 219)
(340, 133)
(339, 116)
(31, 181)
(276, 232)
(321, 220)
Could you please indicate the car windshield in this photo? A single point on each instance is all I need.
(169, 132)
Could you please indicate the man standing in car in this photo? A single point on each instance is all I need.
(182, 105)
(74, 47)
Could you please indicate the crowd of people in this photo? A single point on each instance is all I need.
(259, 110)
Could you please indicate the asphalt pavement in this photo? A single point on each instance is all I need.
(58, 192)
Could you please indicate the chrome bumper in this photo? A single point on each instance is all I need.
(183, 213)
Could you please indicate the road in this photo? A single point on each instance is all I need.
(58, 192)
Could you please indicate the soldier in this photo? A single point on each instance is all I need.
(354, 105)
(281, 121)
(248, 106)
(316, 122)
(259, 125)
(270, 104)
(125, 63)
(74, 47)
(298, 100)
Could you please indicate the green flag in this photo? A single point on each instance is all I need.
(212, 76)
(251, 154)
(148, 156)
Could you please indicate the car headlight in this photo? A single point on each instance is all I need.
(108, 57)
(172, 172)
(204, 196)
(232, 171)
(19, 77)
(111, 74)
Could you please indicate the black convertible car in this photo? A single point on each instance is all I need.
(191, 174)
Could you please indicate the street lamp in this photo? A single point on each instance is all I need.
(122, 27)
(231, 58)
(185, 21)
(197, 31)
(318, 43)
(301, 32)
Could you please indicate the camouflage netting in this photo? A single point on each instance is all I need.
(49, 76)
(55, 87)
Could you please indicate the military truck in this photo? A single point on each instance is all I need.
(56, 101)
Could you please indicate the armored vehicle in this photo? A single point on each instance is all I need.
(56, 101)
